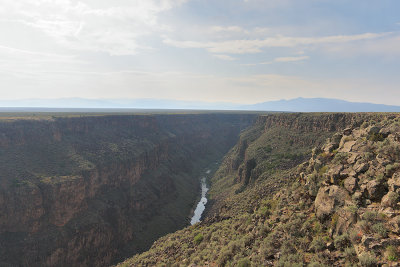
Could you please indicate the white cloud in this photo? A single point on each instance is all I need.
(290, 59)
(227, 29)
(225, 57)
(256, 46)
(279, 60)
(114, 27)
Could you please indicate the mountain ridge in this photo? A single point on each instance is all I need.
(299, 104)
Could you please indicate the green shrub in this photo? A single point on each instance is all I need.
(291, 260)
(367, 259)
(323, 170)
(317, 244)
(316, 264)
(244, 263)
(391, 168)
(380, 177)
(380, 229)
(350, 254)
(370, 216)
(353, 209)
(342, 241)
(198, 238)
(287, 247)
(376, 137)
(334, 220)
(364, 125)
(392, 253)
(317, 228)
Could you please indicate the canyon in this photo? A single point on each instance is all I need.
(91, 190)
(289, 189)
(298, 189)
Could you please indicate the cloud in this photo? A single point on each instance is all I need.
(290, 59)
(114, 27)
(225, 57)
(235, 29)
(279, 60)
(256, 46)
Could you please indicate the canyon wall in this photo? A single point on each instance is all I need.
(298, 190)
(92, 190)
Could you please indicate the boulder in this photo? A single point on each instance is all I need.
(390, 199)
(348, 172)
(329, 147)
(347, 146)
(382, 160)
(335, 139)
(360, 167)
(353, 158)
(350, 184)
(366, 241)
(389, 212)
(347, 131)
(385, 132)
(357, 197)
(395, 225)
(394, 183)
(328, 199)
(334, 173)
(346, 219)
(376, 190)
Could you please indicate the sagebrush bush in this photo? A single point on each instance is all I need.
(317, 244)
(367, 259)
(244, 263)
(380, 229)
(342, 241)
(370, 216)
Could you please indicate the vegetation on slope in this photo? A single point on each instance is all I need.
(338, 208)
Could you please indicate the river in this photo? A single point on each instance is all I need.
(203, 201)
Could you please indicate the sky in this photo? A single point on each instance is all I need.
(238, 51)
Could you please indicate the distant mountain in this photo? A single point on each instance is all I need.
(294, 105)
(320, 105)
(146, 103)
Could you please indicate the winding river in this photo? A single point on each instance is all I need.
(202, 203)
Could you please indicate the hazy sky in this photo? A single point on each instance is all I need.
(243, 51)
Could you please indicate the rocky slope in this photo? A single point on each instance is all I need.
(91, 190)
(278, 202)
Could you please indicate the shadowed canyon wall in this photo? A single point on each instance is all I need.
(92, 190)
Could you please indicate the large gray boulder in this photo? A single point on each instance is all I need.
(328, 199)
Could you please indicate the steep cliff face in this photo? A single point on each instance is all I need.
(274, 143)
(91, 190)
(338, 207)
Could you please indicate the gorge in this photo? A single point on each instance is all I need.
(90, 190)
(289, 189)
